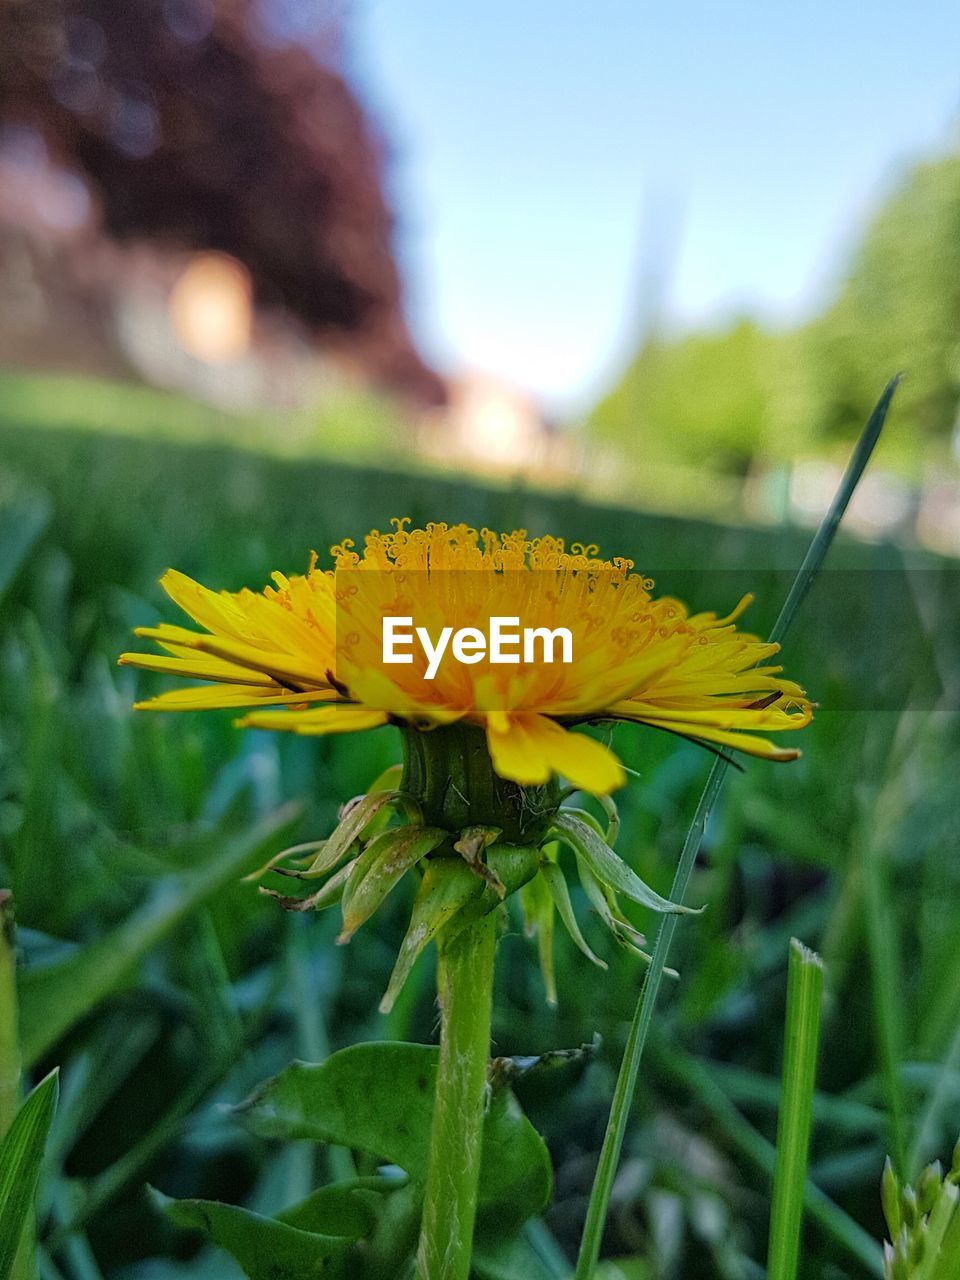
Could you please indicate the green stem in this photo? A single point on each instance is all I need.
(465, 986)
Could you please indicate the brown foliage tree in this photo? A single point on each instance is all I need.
(195, 128)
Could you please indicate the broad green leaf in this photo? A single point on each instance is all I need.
(56, 996)
(265, 1248)
(382, 864)
(21, 1156)
(609, 868)
(516, 1176)
(378, 1098)
(388, 1252)
(350, 1208)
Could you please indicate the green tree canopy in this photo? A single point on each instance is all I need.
(898, 308)
(715, 400)
(704, 399)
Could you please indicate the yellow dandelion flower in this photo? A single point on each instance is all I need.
(311, 646)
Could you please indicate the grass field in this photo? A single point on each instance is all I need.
(166, 987)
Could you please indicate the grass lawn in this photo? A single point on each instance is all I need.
(164, 998)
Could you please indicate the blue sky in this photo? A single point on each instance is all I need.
(550, 158)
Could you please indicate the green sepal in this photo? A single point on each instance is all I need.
(604, 902)
(388, 780)
(557, 885)
(514, 866)
(302, 851)
(472, 845)
(609, 807)
(448, 884)
(609, 868)
(351, 827)
(307, 869)
(328, 895)
(383, 862)
(538, 913)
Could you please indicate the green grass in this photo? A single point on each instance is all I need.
(800, 587)
(347, 423)
(106, 817)
(804, 997)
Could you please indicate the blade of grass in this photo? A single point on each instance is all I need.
(21, 526)
(828, 1215)
(22, 1265)
(310, 1005)
(55, 997)
(881, 935)
(9, 1038)
(103, 1188)
(21, 1156)
(540, 1239)
(804, 995)
(762, 1093)
(933, 1117)
(629, 1068)
(827, 531)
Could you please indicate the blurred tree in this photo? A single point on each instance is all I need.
(897, 309)
(705, 399)
(716, 400)
(202, 124)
